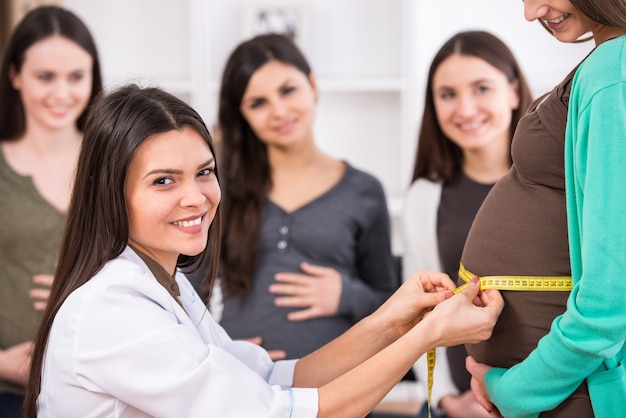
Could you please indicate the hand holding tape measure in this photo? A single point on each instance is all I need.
(515, 283)
(439, 310)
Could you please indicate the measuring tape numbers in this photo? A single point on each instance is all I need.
(514, 283)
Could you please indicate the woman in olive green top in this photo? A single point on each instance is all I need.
(50, 74)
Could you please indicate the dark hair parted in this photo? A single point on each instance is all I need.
(97, 226)
(37, 25)
(245, 167)
(437, 157)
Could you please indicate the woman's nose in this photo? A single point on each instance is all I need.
(534, 9)
(61, 89)
(193, 195)
(466, 105)
(279, 108)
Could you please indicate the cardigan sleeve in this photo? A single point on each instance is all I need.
(593, 328)
(419, 227)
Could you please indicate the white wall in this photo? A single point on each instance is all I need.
(145, 40)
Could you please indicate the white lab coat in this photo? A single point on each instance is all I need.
(121, 346)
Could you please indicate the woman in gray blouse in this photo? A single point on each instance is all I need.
(306, 244)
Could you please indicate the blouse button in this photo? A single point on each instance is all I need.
(282, 244)
(283, 230)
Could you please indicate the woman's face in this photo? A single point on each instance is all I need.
(565, 20)
(474, 102)
(279, 104)
(54, 83)
(172, 195)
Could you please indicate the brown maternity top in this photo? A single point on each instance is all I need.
(521, 230)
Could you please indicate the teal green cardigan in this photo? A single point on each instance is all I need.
(589, 337)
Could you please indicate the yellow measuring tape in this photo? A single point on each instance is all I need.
(519, 283)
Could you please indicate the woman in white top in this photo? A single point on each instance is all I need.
(124, 333)
(475, 95)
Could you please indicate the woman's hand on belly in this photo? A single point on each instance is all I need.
(317, 290)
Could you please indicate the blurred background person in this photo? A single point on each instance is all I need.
(476, 93)
(306, 251)
(50, 73)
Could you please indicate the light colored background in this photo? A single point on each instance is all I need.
(371, 58)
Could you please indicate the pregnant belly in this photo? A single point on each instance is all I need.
(526, 317)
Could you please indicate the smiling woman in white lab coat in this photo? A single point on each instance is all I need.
(125, 334)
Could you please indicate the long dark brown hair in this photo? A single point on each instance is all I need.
(606, 12)
(97, 227)
(37, 25)
(437, 157)
(245, 166)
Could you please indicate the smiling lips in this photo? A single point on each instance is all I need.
(558, 19)
(189, 223)
(470, 125)
(285, 127)
(60, 111)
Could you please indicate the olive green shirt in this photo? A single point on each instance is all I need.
(30, 236)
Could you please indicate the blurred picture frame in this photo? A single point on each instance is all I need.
(288, 17)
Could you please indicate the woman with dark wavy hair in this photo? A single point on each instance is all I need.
(571, 366)
(306, 251)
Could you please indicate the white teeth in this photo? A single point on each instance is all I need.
(59, 110)
(558, 19)
(187, 224)
(472, 125)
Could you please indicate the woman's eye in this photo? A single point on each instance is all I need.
(163, 181)
(447, 94)
(257, 103)
(77, 76)
(482, 89)
(287, 90)
(45, 76)
(206, 172)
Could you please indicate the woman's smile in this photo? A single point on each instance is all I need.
(190, 225)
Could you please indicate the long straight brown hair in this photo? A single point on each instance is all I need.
(606, 12)
(246, 170)
(97, 226)
(437, 157)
